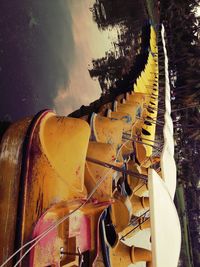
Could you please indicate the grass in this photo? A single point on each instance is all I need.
(182, 210)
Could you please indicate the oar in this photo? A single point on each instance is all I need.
(140, 142)
(137, 218)
(136, 136)
(143, 215)
(111, 166)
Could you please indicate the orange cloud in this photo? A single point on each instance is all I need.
(89, 43)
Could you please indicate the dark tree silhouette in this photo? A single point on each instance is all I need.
(183, 43)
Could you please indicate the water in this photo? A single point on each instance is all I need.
(46, 51)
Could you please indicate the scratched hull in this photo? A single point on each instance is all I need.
(51, 173)
(11, 150)
(47, 170)
(40, 157)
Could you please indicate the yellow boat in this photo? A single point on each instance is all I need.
(53, 185)
(63, 179)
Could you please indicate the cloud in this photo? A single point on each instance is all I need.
(89, 43)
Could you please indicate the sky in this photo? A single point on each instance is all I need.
(89, 43)
(46, 48)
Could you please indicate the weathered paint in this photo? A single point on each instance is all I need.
(53, 170)
(10, 165)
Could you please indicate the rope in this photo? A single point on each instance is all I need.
(45, 233)
(137, 225)
(42, 235)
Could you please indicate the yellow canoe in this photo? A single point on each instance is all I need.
(52, 170)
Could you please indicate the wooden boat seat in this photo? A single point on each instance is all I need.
(61, 138)
(120, 222)
(93, 172)
(141, 254)
(132, 110)
(138, 187)
(146, 130)
(140, 151)
(122, 255)
(138, 204)
(124, 117)
(50, 165)
(106, 130)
